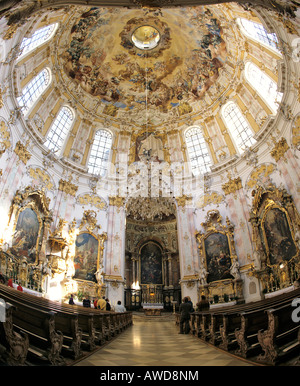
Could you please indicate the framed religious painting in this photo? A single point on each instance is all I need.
(87, 252)
(217, 254)
(151, 264)
(279, 243)
(27, 234)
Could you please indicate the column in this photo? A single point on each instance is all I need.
(133, 270)
(114, 264)
(188, 253)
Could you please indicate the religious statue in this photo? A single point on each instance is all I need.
(202, 275)
(234, 269)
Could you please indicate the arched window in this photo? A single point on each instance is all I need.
(257, 32)
(59, 129)
(198, 151)
(98, 161)
(264, 85)
(240, 130)
(39, 37)
(34, 89)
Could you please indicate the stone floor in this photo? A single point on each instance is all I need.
(154, 341)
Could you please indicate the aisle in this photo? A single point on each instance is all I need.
(154, 341)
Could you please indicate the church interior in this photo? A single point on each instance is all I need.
(149, 152)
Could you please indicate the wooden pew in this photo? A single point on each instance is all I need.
(216, 322)
(280, 340)
(198, 331)
(66, 321)
(204, 325)
(192, 324)
(221, 323)
(68, 324)
(100, 331)
(247, 334)
(16, 343)
(79, 327)
(44, 342)
(71, 323)
(86, 324)
(231, 321)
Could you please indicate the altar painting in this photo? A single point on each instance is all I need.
(151, 264)
(280, 245)
(217, 257)
(86, 257)
(25, 239)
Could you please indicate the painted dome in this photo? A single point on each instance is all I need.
(172, 59)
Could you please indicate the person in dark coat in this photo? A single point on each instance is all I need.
(108, 307)
(185, 308)
(86, 302)
(203, 305)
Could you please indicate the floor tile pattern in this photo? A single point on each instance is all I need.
(154, 341)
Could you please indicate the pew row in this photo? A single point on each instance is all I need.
(263, 331)
(55, 333)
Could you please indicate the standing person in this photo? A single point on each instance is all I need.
(102, 304)
(119, 307)
(108, 307)
(71, 300)
(191, 303)
(86, 302)
(185, 309)
(203, 305)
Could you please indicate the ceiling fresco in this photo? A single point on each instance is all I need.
(168, 79)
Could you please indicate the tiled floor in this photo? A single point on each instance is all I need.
(156, 342)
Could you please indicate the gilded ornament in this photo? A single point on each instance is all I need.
(232, 185)
(116, 201)
(89, 221)
(262, 171)
(281, 147)
(296, 133)
(5, 137)
(92, 199)
(42, 176)
(1, 98)
(67, 187)
(209, 199)
(22, 153)
(183, 200)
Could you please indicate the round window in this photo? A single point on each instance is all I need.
(145, 37)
